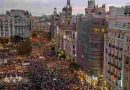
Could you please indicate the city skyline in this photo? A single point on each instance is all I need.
(39, 7)
(44, 48)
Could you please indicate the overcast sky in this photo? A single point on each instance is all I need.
(38, 7)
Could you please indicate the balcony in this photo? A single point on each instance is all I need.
(115, 66)
(116, 57)
(113, 46)
(119, 68)
(120, 59)
(112, 64)
(93, 49)
(112, 55)
(109, 54)
(110, 45)
(120, 49)
(126, 53)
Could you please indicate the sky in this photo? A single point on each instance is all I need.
(39, 7)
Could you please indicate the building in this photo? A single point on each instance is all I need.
(37, 24)
(54, 25)
(127, 10)
(91, 7)
(63, 30)
(33, 23)
(21, 22)
(117, 52)
(68, 31)
(6, 26)
(126, 54)
(90, 41)
(113, 11)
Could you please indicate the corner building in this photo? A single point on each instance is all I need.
(117, 52)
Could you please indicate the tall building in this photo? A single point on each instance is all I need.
(113, 11)
(90, 41)
(55, 21)
(63, 30)
(127, 10)
(91, 3)
(91, 7)
(126, 53)
(37, 24)
(21, 22)
(6, 26)
(117, 52)
(68, 31)
(68, 12)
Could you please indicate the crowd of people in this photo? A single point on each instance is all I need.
(54, 77)
(48, 72)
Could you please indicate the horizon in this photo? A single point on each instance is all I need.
(39, 7)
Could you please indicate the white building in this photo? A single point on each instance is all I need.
(113, 11)
(117, 52)
(20, 22)
(6, 26)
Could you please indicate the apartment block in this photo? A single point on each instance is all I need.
(116, 57)
(21, 22)
(6, 26)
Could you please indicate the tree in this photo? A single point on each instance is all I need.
(34, 35)
(17, 39)
(11, 39)
(4, 40)
(24, 48)
(74, 66)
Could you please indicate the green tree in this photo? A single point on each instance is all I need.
(11, 39)
(4, 40)
(74, 66)
(24, 48)
(1, 40)
(34, 35)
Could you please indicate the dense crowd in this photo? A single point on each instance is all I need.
(48, 72)
(57, 77)
(54, 78)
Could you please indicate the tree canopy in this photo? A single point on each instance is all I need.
(24, 48)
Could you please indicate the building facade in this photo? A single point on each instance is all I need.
(63, 30)
(6, 26)
(116, 53)
(21, 22)
(126, 54)
(68, 32)
(90, 41)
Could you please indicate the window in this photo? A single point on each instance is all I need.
(73, 46)
(103, 22)
(6, 30)
(122, 36)
(15, 22)
(97, 45)
(68, 22)
(127, 62)
(106, 50)
(128, 48)
(74, 52)
(119, 35)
